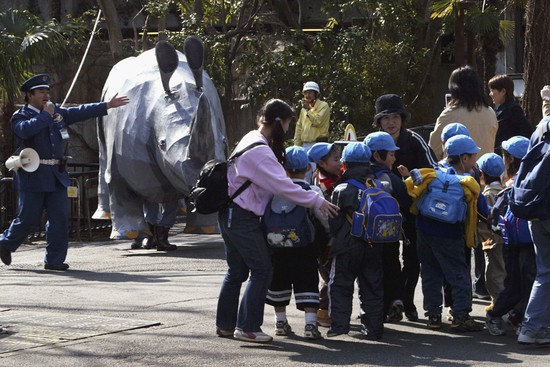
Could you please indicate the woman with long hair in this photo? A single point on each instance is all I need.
(245, 244)
(470, 106)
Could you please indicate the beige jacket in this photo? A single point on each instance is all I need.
(481, 124)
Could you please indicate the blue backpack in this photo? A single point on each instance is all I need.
(530, 196)
(514, 230)
(444, 199)
(378, 218)
(286, 224)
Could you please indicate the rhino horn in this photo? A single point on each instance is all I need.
(167, 59)
(193, 48)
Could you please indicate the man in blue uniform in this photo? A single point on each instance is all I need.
(41, 125)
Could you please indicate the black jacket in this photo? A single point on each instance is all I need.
(511, 122)
(413, 152)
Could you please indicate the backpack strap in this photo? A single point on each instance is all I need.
(247, 183)
(354, 182)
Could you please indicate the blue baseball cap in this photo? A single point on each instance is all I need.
(461, 144)
(318, 151)
(356, 152)
(491, 164)
(296, 158)
(517, 146)
(456, 128)
(380, 140)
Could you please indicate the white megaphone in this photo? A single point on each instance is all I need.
(28, 159)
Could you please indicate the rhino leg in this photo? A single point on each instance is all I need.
(102, 211)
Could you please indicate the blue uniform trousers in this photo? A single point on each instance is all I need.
(31, 206)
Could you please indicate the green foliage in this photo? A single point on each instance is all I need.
(25, 42)
(353, 65)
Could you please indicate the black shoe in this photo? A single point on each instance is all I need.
(411, 316)
(166, 247)
(434, 321)
(5, 255)
(136, 243)
(60, 267)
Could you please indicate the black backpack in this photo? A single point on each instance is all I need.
(210, 195)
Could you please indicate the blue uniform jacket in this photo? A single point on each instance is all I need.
(37, 130)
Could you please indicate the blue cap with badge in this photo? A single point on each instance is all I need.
(35, 82)
(296, 158)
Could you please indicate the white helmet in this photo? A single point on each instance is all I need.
(311, 86)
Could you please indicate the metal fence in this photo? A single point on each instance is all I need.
(82, 195)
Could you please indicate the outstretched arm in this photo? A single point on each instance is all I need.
(117, 101)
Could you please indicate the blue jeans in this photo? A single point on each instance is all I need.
(246, 252)
(443, 259)
(161, 214)
(537, 314)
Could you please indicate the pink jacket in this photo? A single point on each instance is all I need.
(268, 177)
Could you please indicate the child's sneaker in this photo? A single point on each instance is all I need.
(224, 333)
(395, 314)
(311, 332)
(465, 323)
(494, 325)
(332, 333)
(512, 319)
(252, 336)
(434, 322)
(282, 328)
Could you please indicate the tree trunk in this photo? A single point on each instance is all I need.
(115, 34)
(537, 65)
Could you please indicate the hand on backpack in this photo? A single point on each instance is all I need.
(329, 209)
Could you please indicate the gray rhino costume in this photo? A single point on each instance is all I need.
(154, 148)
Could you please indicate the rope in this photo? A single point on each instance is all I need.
(83, 59)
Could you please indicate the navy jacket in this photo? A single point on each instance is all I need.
(37, 130)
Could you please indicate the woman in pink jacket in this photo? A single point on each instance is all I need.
(245, 244)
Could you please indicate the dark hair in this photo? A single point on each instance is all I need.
(357, 164)
(271, 114)
(27, 95)
(332, 176)
(513, 168)
(466, 89)
(500, 82)
(455, 159)
(489, 179)
(382, 153)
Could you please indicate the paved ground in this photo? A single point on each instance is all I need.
(122, 307)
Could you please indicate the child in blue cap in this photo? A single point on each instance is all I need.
(296, 267)
(383, 150)
(325, 157)
(351, 258)
(491, 167)
(441, 244)
(519, 258)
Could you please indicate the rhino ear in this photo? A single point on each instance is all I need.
(167, 60)
(193, 48)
